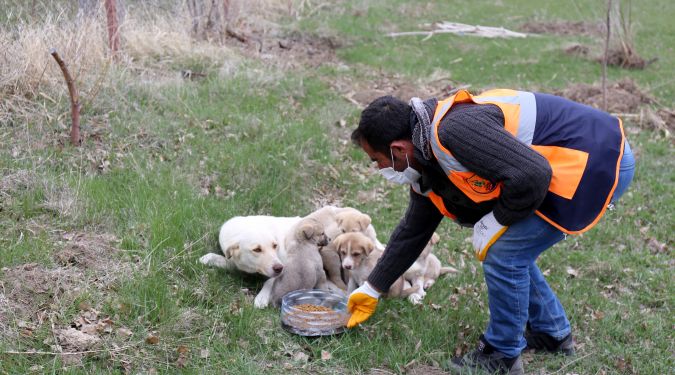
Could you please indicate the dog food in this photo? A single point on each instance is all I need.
(313, 313)
(308, 307)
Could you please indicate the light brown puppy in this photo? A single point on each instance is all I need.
(303, 270)
(359, 256)
(426, 269)
(338, 220)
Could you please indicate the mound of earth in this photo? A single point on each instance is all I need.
(622, 96)
(564, 28)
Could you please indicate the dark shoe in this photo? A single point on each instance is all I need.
(486, 360)
(542, 342)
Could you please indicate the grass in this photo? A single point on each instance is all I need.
(172, 159)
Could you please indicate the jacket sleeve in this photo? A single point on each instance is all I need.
(406, 242)
(476, 136)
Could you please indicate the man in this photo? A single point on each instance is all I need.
(523, 170)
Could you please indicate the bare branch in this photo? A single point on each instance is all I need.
(75, 139)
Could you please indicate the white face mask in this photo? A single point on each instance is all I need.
(408, 177)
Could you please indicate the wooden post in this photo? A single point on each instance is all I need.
(113, 27)
(75, 139)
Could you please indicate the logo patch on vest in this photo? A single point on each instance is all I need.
(480, 185)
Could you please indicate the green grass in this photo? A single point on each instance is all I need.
(264, 141)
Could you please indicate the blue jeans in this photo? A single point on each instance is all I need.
(517, 290)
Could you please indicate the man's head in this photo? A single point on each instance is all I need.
(384, 133)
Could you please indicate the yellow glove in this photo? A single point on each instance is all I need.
(486, 232)
(362, 303)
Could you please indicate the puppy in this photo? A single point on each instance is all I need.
(340, 220)
(252, 244)
(359, 256)
(303, 270)
(426, 269)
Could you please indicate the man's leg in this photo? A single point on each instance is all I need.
(507, 274)
(546, 313)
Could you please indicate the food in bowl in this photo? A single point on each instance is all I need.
(314, 312)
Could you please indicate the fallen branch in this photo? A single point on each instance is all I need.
(464, 29)
(75, 139)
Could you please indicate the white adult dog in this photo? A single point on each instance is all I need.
(252, 244)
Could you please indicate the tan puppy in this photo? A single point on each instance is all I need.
(338, 220)
(426, 269)
(359, 256)
(303, 270)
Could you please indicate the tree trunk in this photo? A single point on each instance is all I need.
(113, 27)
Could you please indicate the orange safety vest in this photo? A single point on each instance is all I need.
(583, 145)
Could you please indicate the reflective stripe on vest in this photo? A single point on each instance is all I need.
(571, 205)
(435, 199)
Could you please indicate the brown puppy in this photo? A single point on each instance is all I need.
(359, 256)
(303, 270)
(338, 220)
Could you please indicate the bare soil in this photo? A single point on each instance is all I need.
(626, 59)
(31, 293)
(293, 49)
(623, 96)
(564, 28)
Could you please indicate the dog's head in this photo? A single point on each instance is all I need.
(353, 248)
(352, 220)
(256, 255)
(312, 231)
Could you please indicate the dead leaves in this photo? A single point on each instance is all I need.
(152, 339)
(571, 272)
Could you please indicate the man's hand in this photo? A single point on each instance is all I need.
(486, 231)
(362, 303)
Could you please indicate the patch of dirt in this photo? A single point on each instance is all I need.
(31, 292)
(362, 92)
(291, 49)
(626, 59)
(564, 28)
(88, 251)
(622, 96)
(577, 50)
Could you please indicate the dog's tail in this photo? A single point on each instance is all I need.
(448, 269)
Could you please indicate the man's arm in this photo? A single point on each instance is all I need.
(406, 242)
(476, 136)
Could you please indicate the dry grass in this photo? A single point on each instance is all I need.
(154, 38)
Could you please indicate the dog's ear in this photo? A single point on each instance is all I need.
(435, 238)
(364, 221)
(337, 242)
(368, 245)
(231, 251)
(307, 231)
(339, 220)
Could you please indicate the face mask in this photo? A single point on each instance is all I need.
(408, 177)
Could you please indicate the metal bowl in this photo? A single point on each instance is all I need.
(314, 312)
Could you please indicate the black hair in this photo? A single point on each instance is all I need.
(385, 120)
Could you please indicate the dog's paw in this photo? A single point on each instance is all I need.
(416, 298)
(428, 284)
(260, 301)
(214, 260)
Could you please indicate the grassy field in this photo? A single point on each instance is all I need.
(105, 237)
